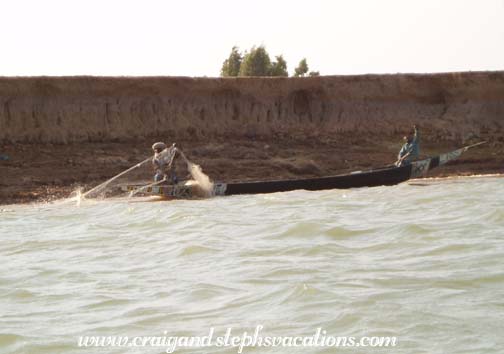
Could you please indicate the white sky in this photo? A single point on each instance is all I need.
(193, 37)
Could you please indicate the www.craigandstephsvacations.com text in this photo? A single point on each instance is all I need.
(245, 339)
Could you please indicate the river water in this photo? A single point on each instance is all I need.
(422, 262)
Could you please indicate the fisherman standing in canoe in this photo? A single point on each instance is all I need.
(163, 162)
(411, 148)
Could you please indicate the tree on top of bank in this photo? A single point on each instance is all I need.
(231, 66)
(257, 62)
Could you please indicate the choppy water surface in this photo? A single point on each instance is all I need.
(424, 263)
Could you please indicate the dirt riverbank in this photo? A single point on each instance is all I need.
(59, 133)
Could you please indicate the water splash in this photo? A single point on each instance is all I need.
(78, 196)
(75, 197)
(204, 182)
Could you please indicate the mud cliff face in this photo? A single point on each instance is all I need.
(453, 106)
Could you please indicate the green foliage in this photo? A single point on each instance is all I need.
(256, 62)
(279, 67)
(231, 66)
(301, 69)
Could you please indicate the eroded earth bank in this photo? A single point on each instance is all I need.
(60, 133)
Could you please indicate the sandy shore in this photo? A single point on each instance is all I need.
(44, 172)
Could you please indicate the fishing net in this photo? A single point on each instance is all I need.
(190, 181)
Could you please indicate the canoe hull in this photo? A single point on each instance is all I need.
(382, 177)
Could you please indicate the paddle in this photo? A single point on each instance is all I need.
(473, 145)
(398, 162)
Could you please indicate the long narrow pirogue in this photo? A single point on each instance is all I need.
(377, 177)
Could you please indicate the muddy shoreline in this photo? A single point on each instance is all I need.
(44, 172)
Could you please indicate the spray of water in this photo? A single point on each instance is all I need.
(78, 196)
(75, 197)
(204, 182)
